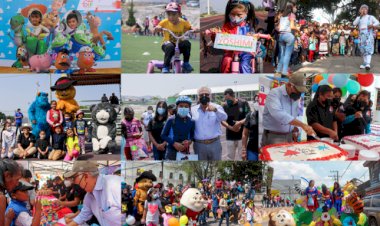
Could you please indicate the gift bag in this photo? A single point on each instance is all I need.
(137, 149)
(186, 157)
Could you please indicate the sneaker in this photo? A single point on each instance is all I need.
(165, 70)
(362, 66)
(83, 152)
(187, 68)
(368, 67)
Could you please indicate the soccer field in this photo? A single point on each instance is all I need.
(139, 50)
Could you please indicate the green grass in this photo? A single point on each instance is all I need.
(133, 60)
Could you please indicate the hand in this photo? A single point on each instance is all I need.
(10, 215)
(57, 202)
(38, 205)
(178, 146)
(3, 150)
(309, 130)
(236, 127)
(142, 221)
(333, 135)
(358, 114)
(244, 153)
(211, 108)
(161, 147)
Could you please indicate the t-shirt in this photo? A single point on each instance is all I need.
(316, 113)
(60, 188)
(285, 23)
(19, 120)
(59, 141)
(179, 29)
(251, 123)
(305, 41)
(153, 213)
(156, 127)
(24, 219)
(67, 125)
(128, 128)
(42, 144)
(236, 112)
(146, 116)
(72, 192)
(249, 214)
(72, 142)
(80, 125)
(26, 141)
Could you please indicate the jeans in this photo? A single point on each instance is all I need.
(252, 155)
(169, 49)
(171, 153)
(286, 44)
(225, 215)
(215, 212)
(157, 154)
(338, 205)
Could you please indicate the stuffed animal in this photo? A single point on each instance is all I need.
(65, 93)
(17, 26)
(325, 217)
(144, 182)
(94, 22)
(63, 62)
(103, 116)
(192, 203)
(22, 57)
(37, 114)
(86, 59)
(281, 218)
(40, 63)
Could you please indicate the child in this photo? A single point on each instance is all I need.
(152, 208)
(260, 55)
(58, 144)
(249, 212)
(305, 44)
(179, 26)
(8, 137)
(42, 146)
(72, 146)
(68, 123)
(350, 46)
(323, 45)
(312, 46)
(342, 43)
(53, 116)
(81, 130)
(16, 213)
(73, 20)
(168, 214)
(131, 130)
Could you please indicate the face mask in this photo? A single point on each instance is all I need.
(336, 102)
(155, 196)
(204, 100)
(362, 104)
(295, 96)
(183, 112)
(161, 111)
(237, 20)
(9, 129)
(327, 102)
(42, 137)
(229, 103)
(67, 183)
(128, 119)
(150, 111)
(67, 119)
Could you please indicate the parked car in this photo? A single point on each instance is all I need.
(372, 209)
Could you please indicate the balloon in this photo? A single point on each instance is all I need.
(323, 82)
(330, 79)
(173, 222)
(353, 87)
(183, 220)
(314, 87)
(318, 78)
(365, 79)
(247, 224)
(130, 220)
(340, 80)
(344, 91)
(325, 76)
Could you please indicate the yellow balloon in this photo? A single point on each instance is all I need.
(173, 222)
(299, 201)
(183, 220)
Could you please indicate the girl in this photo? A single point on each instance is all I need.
(367, 24)
(350, 45)
(131, 130)
(326, 197)
(53, 116)
(311, 193)
(168, 214)
(154, 129)
(152, 208)
(249, 212)
(72, 146)
(286, 38)
(337, 195)
(8, 137)
(68, 123)
(323, 45)
(342, 43)
(312, 47)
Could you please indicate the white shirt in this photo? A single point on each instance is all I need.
(104, 202)
(147, 117)
(248, 213)
(364, 21)
(24, 219)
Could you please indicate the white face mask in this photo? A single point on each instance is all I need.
(150, 111)
(42, 137)
(67, 183)
(9, 129)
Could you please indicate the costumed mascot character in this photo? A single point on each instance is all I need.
(144, 182)
(37, 114)
(65, 93)
(353, 207)
(281, 218)
(104, 117)
(192, 203)
(325, 217)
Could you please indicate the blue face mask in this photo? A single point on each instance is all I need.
(161, 111)
(183, 112)
(237, 20)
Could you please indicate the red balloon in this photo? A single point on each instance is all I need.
(365, 79)
(330, 79)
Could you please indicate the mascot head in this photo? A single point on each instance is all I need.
(42, 100)
(104, 113)
(281, 218)
(145, 180)
(192, 199)
(64, 88)
(17, 22)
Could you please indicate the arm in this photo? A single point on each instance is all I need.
(73, 203)
(244, 141)
(220, 113)
(48, 118)
(31, 113)
(3, 204)
(85, 214)
(60, 117)
(166, 131)
(356, 21)
(335, 126)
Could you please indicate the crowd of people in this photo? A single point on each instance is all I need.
(72, 198)
(171, 131)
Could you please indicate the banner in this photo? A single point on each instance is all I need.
(241, 43)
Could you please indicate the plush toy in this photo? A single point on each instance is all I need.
(40, 63)
(354, 219)
(65, 93)
(103, 116)
(86, 60)
(281, 218)
(17, 24)
(97, 36)
(63, 62)
(192, 203)
(22, 57)
(37, 114)
(325, 217)
(143, 183)
(302, 216)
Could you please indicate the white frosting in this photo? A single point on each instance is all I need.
(369, 155)
(364, 142)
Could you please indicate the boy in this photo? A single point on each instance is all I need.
(58, 144)
(16, 213)
(73, 20)
(305, 45)
(42, 146)
(80, 130)
(25, 143)
(68, 123)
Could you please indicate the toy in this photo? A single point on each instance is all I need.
(97, 36)
(104, 127)
(326, 217)
(302, 216)
(17, 23)
(65, 93)
(37, 114)
(63, 62)
(192, 204)
(40, 63)
(22, 57)
(143, 183)
(282, 217)
(86, 60)
(60, 42)
(354, 202)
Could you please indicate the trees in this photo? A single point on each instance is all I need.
(131, 15)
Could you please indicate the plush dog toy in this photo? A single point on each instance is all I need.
(37, 114)
(65, 93)
(144, 183)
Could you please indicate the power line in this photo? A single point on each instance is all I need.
(346, 169)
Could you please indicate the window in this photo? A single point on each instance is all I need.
(367, 202)
(180, 176)
(376, 201)
(171, 176)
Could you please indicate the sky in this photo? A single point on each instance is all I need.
(157, 85)
(18, 91)
(320, 171)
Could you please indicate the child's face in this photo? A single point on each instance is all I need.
(67, 117)
(58, 130)
(53, 105)
(70, 133)
(173, 17)
(35, 20)
(80, 116)
(21, 196)
(72, 23)
(42, 135)
(238, 14)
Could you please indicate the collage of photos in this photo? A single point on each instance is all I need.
(276, 122)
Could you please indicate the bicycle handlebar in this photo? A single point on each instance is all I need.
(264, 36)
(178, 37)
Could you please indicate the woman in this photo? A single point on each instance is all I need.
(154, 129)
(367, 24)
(337, 195)
(311, 193)
(286, 38)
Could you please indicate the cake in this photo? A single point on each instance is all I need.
(364, 142)
(302, 151)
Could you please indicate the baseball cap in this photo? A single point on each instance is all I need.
(81, 166)
(298, 80)
(22, 187)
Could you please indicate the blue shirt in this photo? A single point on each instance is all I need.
(104, 202)
(19, 120)
(279, 111)
(208, 123)
(183, 129)
(215, 202)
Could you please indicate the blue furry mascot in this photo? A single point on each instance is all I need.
(37, 114)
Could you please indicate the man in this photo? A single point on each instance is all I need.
(103, 195)
(104, 98)
(281, 111)
(250, 139)
(18, 117)
(114, 100)
(207, 117)
(25, 143)
(25, 180)
(58, 187)
(145, 119)
(237, 111)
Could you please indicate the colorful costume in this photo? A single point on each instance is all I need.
(311, 198)
(337, 199)
(37, 112)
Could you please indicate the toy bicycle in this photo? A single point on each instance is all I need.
(176, 63)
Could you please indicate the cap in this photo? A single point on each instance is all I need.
(81, 166)
(229, 91)
(27, 174)
(22, 187)
(63, 83)
(298, 80)
(26, 125)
